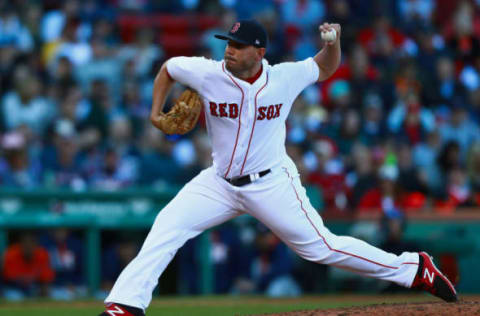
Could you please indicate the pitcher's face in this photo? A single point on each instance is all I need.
(240, 57)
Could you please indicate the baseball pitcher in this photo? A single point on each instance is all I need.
(246, 103)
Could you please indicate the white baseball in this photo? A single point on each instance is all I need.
(329, 36)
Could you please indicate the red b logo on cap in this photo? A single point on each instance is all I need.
(235, 27)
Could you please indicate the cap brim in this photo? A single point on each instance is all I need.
(231, 38)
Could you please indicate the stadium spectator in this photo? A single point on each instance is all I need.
(425, 159)
(449, 157)
(271, 269)
(17, 168)
(103, 29)
(347, 132)
(157, 165)
(26, 269)
(66, 258)
(431, 47)
(63, 75)
(143, 53)
(415, 14)
(384, 197)
(92, 114)
(409, 177)
(226, 256)
(410, 121)
(12, 31)
(56, 20)
(25, 106)
(68, 45)
(362, 176)
(328, 175)
(118, 170)
(373, 127)
(61, 161)
(114, 259)
(339, 93)
(444, 89)
(460, 129)
(132, 107)
(381, 39)
(462, 32)
(459, 189)
(104, 66)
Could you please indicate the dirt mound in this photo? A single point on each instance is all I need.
(410, 309)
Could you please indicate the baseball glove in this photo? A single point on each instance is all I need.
(184, 114)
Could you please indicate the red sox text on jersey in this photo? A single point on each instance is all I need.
(235, 110)
(230, 110)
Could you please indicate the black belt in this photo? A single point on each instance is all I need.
(249, 178)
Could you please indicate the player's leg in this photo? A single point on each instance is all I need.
(280, 202)
(201, 204)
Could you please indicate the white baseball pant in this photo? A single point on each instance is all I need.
(279, 201)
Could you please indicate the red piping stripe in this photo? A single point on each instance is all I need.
(330, 248)
(239, 119)
(255, 120)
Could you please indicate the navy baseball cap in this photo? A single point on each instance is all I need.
(248, 32)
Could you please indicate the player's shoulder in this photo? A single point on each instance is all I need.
(294, 68)
(289, 65)
(197, 64)
(193, 60)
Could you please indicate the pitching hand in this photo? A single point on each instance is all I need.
(326, 27)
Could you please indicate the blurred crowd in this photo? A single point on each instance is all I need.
(398, 125)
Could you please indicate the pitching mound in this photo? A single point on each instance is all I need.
(410, 309)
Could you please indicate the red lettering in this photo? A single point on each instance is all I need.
(222, 109)
(277, 109)
(213, 109)
(270, 112)
(261, 113)
(233, 109)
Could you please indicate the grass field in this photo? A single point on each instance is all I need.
(209, 306)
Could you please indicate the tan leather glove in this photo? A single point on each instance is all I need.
(183, 116)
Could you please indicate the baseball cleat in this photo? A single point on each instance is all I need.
(430, 279)
(112, 309)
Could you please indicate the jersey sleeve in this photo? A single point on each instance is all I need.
(189, 71)
(301, 74)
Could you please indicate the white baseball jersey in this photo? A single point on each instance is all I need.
(246, 122)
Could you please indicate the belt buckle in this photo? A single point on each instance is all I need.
(233, 180)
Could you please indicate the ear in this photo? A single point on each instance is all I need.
(261, 52)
